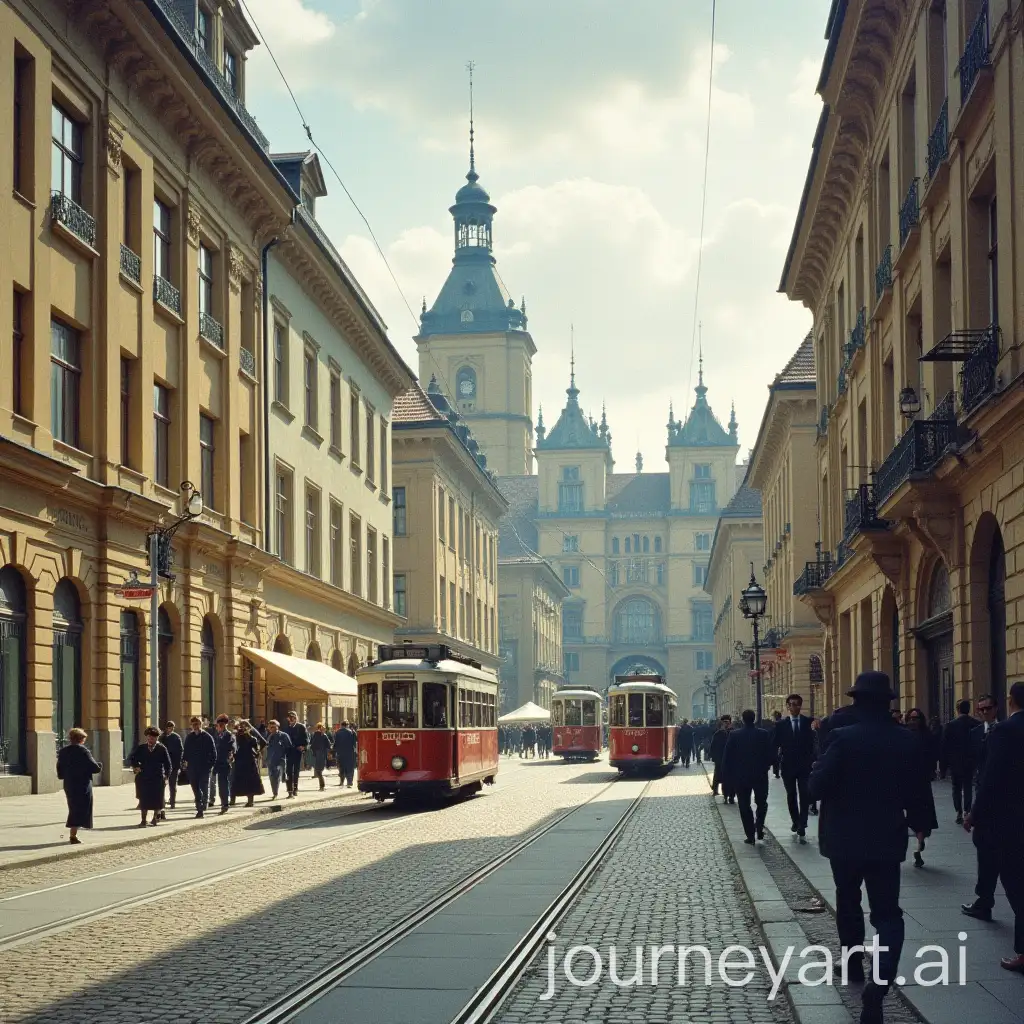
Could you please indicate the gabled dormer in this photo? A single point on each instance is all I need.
(304, 175)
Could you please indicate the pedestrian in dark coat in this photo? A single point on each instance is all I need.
(224, 741)
(745, 764)
(793, 741)
(75, 768)
(320, 744)
(871, 790)
(684, 743)
(986, 848)
(278, 745)
(345, 751)
(198, 756)
(716, 752)
(924, 739)
(999, 813)
(176, 748)
(299, 735)
(245, 769)
(152, 766)
(955, 757)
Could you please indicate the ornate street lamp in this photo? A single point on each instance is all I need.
(711, 696)
(753, 601)
(910, 403)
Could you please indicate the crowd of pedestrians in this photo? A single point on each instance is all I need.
(871, 768)
(222, 761)
(525, 740)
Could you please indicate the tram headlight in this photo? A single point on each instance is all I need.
(635, 749)
(398, 763)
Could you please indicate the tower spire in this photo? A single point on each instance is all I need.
(572, 356)
(470, 65)
(700, 355)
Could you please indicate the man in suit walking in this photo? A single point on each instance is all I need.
(956, 757)
(998, 813)
(870, 794)
(716, 752)
(684, 743)
(299, 735)
(745, 764)
(984, 840)
(793, 739)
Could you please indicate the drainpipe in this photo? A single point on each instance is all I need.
(267, 342)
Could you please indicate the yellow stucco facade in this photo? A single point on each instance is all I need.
(904, 253)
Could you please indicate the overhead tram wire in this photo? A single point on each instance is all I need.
(362, 216)
(703, 201)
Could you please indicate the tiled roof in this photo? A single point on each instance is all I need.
(517, 530)
(413, 406)
(800, 369)
(745, 503)
(638, 493)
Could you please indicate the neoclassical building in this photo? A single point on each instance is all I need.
(903, 251)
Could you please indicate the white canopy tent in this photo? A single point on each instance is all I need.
(528, 714)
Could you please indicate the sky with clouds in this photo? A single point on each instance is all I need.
(590, 133)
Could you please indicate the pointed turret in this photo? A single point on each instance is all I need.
(639, 462)
(573, 429)
(702, 428)
(541, 431)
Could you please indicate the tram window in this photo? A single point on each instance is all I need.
(399, 705)
(463, 721)
(557, 713)
(671, 714)
(492, 710)
(478, 717)
(636, 709)
(573, 712)
(368, 706)
(655, 710)
(435, 706)
(590, 712)
(617, 711)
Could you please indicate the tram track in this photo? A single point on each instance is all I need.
(67, 922)
(492, 994)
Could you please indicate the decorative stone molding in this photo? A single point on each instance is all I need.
(237, 266)
(195, 221)
(114, 142)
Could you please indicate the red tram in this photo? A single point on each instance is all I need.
(576, 724)
(642, 723)
(428, 723)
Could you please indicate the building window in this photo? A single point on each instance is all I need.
(571, 575)
(371, 455)
(337, 544)
(657, 545)
(65, 382)
(570, 662)
(570, 542)
(703, 661)
(204, 31)
(702, 496)
(993, 264)
(18, 354)
(283, 506)
(355, 540)
(162, 240)
(281, 363)
(629, 545)
(453, 609)
(353, 410)
(615, 545)
(206, 459)
(205, 280)
(702, 471)
(451, 524)
(22, 118)
(637, 622)
(66, 168)
(312, 531)
(371, 565)
(703, 626)
(336, 410)
(231, 70)
(572, 623)
(385, 572)
(399, 512)
(570, 497)
(660, 574)
(384, 455)
(400, 605)
(443, 607)
(700, 575)
(126, 411)
(647, 545)
(309, 386)
(702, 541)
(440, 515)
(462, 538)
(162, 435)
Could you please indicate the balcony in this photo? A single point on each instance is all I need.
(861, 513)
(70, 216)
(185, 29)
(211, 330)
(131, 265)
(844, 552)
(938, 143)
(856, 342)
(814, 576)
(247, 363)
(978, 352)
(910, 212)
(976, 58)
(166, 294)
(883, 274)
(915, 454)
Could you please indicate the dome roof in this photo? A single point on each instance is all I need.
(472, 191)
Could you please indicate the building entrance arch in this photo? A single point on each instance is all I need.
(636, 664)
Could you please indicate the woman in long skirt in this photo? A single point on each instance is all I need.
(245, 770)
(917, 725)
(151, 763)
(75, 767)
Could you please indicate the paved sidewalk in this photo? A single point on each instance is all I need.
(32, 827)
(930, 897)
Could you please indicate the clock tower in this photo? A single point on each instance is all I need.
(474, 340)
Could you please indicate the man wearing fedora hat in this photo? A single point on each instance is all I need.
(870, 794)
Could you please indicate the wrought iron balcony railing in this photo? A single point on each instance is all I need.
(978, 375)
(71, 216)
(814, 576)
(976, 56)
(843, 553)
(823, 421)
(917, 452)
(211, 330)
(131, 265)
(247, 362)
(883, 273)
(166, 294)
(859, 334)
(842, 381)
(860, 512)
(910, 211)
(938, 141)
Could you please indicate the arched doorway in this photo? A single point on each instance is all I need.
(130, 709)
(165, 641)
(353, 664)
(936, 633)
(988, 610)
(13, 617)
(67, 659)
(889, 622)
(208, 668)
(996, 604)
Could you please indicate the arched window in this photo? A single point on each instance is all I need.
(939, 599)
(13, 681)
(615, 545)
(67, 659)
(997, 617)
(657, 545)
(207, 668)
(637, 622)
(129, 683)
(627, 546)
(647, 545)
(313, 652)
